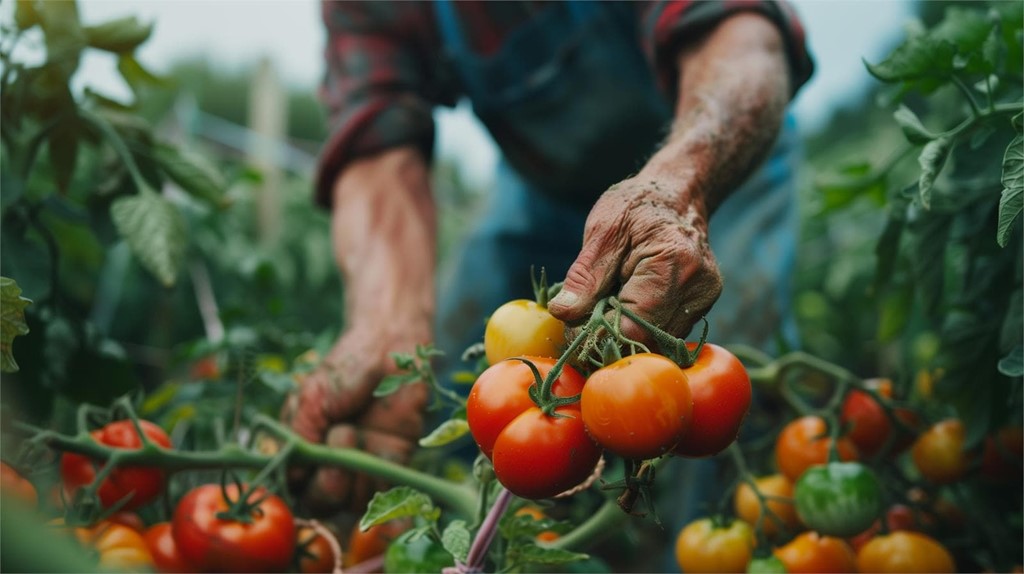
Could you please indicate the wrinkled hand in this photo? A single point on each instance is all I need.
(335, 406)
(647, 244)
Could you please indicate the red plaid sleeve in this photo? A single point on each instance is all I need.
(665, 24)
(379, 87)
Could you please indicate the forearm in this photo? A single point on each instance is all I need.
(384, 228)
(733, 88)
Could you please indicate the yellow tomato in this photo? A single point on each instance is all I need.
(522, 327)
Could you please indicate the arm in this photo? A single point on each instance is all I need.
(647, 236)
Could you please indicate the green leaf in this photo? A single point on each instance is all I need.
(920, 57)
(1012, 330)
(399, 502)
(154, 230)
(1012, 365)
(533, 554)
(449, 431)
(392, 383)
(895, 312)
(63, 146)
(967, 29)
(26, 15)
(192, 173)
(118, 36)
(1011, 202)
(911, 125)
(64, 36)
(456, 539)
(1018, 122)
(888, 247)
(12, 321)
(135, 75)
(932, 159)
(931, 236)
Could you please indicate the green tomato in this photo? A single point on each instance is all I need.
(767, 565)
(416, 552)
(838, 499)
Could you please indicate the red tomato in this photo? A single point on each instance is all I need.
(939, 452)
(869, 425)
(522, 327)
(720, 388)
(804, 443)
(265, 543)
(904, 552)
(500, 394)
(166, 556)
(315, 553)
(638, 407)
(142, 483)
(1003, 457)
(540, 456)
(14, 484)
(812, 553)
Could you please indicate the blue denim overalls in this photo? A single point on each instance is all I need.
(575, 82)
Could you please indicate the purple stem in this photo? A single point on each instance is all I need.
(488, 530)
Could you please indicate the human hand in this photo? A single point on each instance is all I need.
(335, 406)
(646, 243)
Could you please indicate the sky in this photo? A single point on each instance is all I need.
(234, 33)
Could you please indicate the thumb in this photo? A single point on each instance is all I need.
(590, 278)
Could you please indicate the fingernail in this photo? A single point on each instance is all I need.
(565, 299)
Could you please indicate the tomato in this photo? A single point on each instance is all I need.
(939, 452)
(898, 517)
(364, 545)
(538, 514)
(500, 394)
(748, 507)
(813, 553)
(143, 484)
(766, 565)
(1003, 457)
(117, 546)
(265, 543)
(540, 456)
(804, 443)
(14, 484)
(315, 554)
(638, 407)
(414, 552)
(838, 498)
(522, 327)
(703, 546)
(164, 550)
(869, 425)
(720, 388)
(129, 519)
(904, 551)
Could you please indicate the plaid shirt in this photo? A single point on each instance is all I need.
(385, 70)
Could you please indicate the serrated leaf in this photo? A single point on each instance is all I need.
(920, 57)
(1012, 365)
(456, 539)
(533, 554)
(911, 125)
(399, 502)
(392, 383)
(448, 431)
(1011, 201)
(12, 321)
(118, 36)
(932, 159)
(192, 173)
(154, 230)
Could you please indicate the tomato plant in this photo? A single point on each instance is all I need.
(501, 393)
(704, 546)
(721, 392)
(117, 547)
(939, 454)
(803, 443)
(141, 483)
(778, 491)
(520, 328)
(164, 550)
(811, 552)
(14, 484)
(262, 540)
(639, 407)
(869, 426)
(904, 551)
(838, 498)
(416, 552)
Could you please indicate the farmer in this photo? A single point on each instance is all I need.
(623, 128)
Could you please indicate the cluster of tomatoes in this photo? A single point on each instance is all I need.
(639, 407)
(210, 529)
(836, 505)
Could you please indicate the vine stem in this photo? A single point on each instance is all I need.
(485, 536)
(593, 529)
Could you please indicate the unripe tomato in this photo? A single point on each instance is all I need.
(522, 327)
(766, 565)
(163, 548)
(142, 483)
(939, 452)
(703, 546)
(838, 498)
(812, 553)
(904, 551)
(775, 487)
(720, 388)
(804, 443)
(638, 407)
(1003, 457)
(14, 484)
(869, 425)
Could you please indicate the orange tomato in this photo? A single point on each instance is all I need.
(904, 551)
(14, 484)
(118, 547)
(538, 514)
(748, 507)
(703, 546)
(363, 546)
(314, 551)
(812, 553)
(939, 452)
(804, 443)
